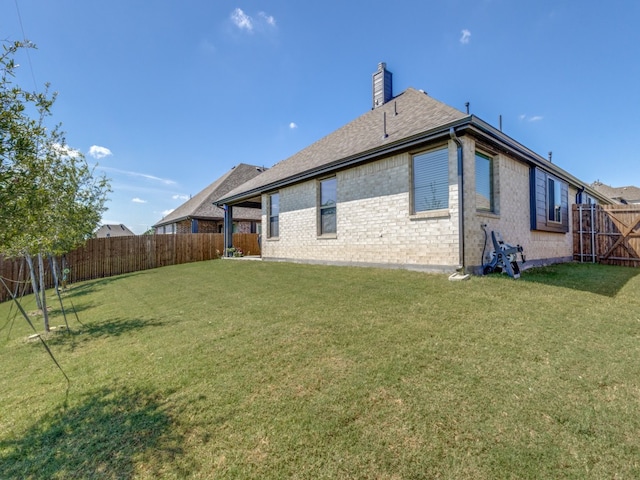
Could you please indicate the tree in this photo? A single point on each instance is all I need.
(51, 199)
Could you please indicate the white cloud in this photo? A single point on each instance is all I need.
(242, 20)
(246, 22)
(66, 150)
(138, 200)
(180, 197)
(268, 18)
(466, 36)
(98, 152)
(532, 118)
(293, 125)
(164, 181)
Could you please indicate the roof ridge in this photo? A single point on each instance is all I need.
(409, 113)
(201, 204)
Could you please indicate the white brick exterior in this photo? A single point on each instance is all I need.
(512, 213)
(375, 224)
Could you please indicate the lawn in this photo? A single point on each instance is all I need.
(237, 369)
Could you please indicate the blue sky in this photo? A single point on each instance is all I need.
(168, 95)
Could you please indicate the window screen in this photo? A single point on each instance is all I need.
(431, 180)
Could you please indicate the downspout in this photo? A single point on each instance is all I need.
(461, 267)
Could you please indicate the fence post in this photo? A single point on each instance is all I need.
(593, 234)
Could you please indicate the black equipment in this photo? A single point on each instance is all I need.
(504, 256)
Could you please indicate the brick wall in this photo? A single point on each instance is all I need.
(375, 224)
(204, 226)
(512, 213)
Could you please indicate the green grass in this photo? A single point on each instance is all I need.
(235, 369)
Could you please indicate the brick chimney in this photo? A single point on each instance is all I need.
(382, 86)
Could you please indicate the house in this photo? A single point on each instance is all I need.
(113, 230)
(200, 215)
(622, 195)
(413, 183)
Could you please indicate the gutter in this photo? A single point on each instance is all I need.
(469, 124)
(528, 156)
(452, 135)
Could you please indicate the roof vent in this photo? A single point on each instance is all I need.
(382, 86)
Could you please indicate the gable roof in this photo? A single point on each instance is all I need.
(201, 206)
(407, 121)
(410, 113)
(113, 230)
(628, 194)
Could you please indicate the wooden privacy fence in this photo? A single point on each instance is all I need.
(106, 257)
(608, 234)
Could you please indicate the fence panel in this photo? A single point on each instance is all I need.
(608, 234)
(106, 257)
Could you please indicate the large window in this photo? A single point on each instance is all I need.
(484, 183)
(431, 180)
(327, 207)
(274, 215)
(554, 200)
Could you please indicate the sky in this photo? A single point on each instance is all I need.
(164, 97)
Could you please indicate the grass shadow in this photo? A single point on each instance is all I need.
(604, 280)
(113, 433)
(77, 290)
(116, 327)
(91, 331)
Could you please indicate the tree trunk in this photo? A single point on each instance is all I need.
(34, 282)
(45, 314)
(53, 262)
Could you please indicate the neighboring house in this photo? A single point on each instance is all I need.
(622, 195)
(113, 230)
(387, 189)
(200, 215)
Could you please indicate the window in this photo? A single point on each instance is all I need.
(431, 180)
(484, 182)
(554, 201)
(274, 215)
(327, 209)
(549, 202)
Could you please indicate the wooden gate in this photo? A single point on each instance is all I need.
(608, 234)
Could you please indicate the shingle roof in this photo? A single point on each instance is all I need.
(113, 230)
(411, 113)
(201, 206)
(628, 194)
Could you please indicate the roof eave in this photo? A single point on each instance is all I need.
(441, 131)
(466, 124)
(530, 157)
